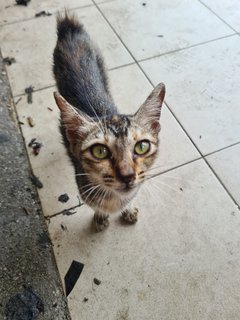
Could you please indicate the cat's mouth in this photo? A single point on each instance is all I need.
(127, 188)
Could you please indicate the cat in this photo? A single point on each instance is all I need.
(111, 152)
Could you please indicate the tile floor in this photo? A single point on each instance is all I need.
(181, 260)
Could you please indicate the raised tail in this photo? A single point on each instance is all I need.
(68, 25)
(79, 69)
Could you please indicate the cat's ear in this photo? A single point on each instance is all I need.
(148, 114)
(76, 124)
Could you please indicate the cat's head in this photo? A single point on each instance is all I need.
(113, 153)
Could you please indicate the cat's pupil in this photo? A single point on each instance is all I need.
(100, 151)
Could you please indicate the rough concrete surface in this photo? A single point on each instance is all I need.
(26, 256)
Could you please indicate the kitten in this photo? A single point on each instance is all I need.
(111, 152)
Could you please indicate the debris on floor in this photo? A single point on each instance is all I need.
(29, 91)
(32, 142)
(64, 227)
(22, 2)
(85, 299)
(42, 13)
(36, 146)
(9, 60)
(25, 305)
(72, 276)
(50, 109)
(30, 122)
(63, 198)
(35, 180)
(68, 212)
(97, 281)
(18, 100)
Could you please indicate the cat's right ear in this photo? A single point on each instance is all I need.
(76, 124)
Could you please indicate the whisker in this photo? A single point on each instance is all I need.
(152, 195)
(181, 180)
(95, 196)
(153, 168)
(166, 185)
(83, 174)
(103, 194)
(165, 193)
(86, 185)
(90, 190)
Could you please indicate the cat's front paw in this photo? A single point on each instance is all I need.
(100, 221)
(130, 215)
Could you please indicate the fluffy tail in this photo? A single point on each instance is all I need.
(79, 69)
(67, 25)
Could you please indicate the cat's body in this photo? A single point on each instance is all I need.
(111, 152)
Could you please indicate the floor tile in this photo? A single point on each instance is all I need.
(226, 164)
(34, 54)
(227, 10)
(52, 165)
(45, 117)
(203, 91)
(130, 88)
(11, 12)
(162, 26)
(58, 179)
(180, 261)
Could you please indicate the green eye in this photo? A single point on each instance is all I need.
(142, 147)
(100, 151)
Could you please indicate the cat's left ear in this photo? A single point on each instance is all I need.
(148, 114)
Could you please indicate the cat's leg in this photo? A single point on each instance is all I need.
(130, 214)
(100, 221)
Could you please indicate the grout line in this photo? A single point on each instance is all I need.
(189, 47)
(223, 185)
(176, 167)
(203, 157)
(227, 24)
(220, 181)
(221, 149)
(141, 60)
(106, 1)
(122, 66)
(39, 89)
(54, 85)
(52, 14)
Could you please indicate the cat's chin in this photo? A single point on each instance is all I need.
(127, 192)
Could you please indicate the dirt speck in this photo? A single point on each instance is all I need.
(97, 281)
(63, 198)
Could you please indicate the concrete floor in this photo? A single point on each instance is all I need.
(181, 260)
